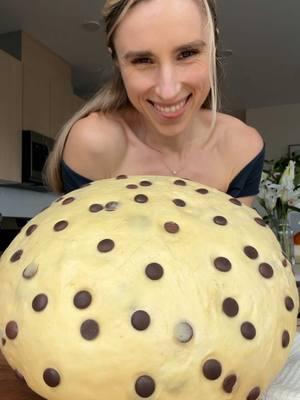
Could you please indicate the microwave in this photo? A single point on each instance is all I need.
(35, 151)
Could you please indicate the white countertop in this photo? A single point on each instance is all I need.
(22, 202)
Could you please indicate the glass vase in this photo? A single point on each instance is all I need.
(285, 235)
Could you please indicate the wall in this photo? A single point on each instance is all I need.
(278, 125)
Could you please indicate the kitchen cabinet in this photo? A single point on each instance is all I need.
(36, 95)
(48, 100)
(10, 118)
(47, 90)
(62, 104)
(36, 101)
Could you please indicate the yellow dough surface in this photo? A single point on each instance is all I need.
(147, 287)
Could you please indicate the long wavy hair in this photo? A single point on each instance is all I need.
(113, 97)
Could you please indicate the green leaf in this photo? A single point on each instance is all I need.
(294, 208)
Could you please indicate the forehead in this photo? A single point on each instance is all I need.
(152, 22)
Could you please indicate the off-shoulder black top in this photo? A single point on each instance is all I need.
(245, 183)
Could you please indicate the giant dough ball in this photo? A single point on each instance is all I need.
(147, 287)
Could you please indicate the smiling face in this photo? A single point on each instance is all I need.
(162, 50)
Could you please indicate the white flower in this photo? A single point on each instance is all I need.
(276, 196)
(270, 200)
(294, 199)
(287, 182)
(269, 193)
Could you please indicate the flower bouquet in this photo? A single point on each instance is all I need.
(279, 193)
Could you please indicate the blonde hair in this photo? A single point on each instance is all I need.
(113, 97)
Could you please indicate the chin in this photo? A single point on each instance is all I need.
(171, 126)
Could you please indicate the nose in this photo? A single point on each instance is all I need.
(167, 86)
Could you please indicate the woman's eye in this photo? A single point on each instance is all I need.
(187, 53)
(142, 60)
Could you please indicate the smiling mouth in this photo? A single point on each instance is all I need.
(171, 109)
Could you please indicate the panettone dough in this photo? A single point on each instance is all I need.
(147, 287)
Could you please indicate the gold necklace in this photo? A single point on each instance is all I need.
(174, 172)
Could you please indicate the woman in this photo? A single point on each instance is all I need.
(159, 115)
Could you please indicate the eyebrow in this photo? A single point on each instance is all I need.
(199, 44)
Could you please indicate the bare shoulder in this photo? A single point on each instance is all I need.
(239, 139)
(95, 144)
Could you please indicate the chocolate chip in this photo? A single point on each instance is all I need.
(82, 299)
(112, 206)
(106, 245)
(260, 221)
(248, 330)
(184, 332)
(140, 320)
(222, 264)
(145, 183)
(202, 191)
(285, 339)
(3, 341)
(141, 198)
(19, 375)
(145, 386)
(254, 394)
(180, 182)
(251, 252)
(229, 383)
(89, 329)
(16, 256)
(132, 186)
(39, 303)
(266, 270)
(212, 369)
(154, 271)
(121, 177)
(219, 220)
(179, 203)
(289, 303)
(60, 226)
(31, 229)
(284, 262)
(68, 200)
(51, 377)
(230, 307)
(171, 227)
(30, 271)
(12, 330)
(235, 201)
(94, 208)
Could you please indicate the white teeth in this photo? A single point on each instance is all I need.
(170, 109)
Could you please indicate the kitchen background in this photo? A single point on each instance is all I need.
(53, 57)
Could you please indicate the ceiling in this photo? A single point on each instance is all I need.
(264, 36)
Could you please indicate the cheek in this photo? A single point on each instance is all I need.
(136, 83)
(197, 76)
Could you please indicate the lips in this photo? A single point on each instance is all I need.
(171, 110)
